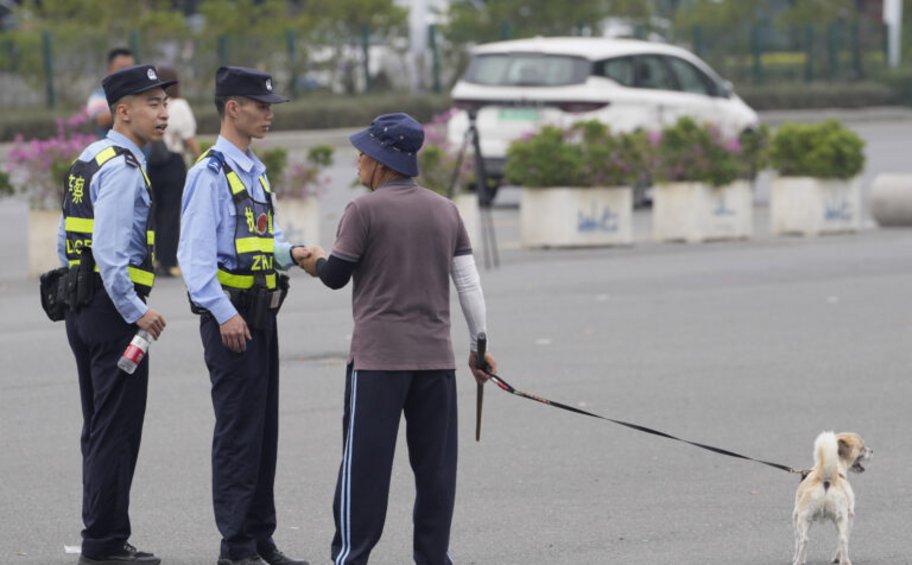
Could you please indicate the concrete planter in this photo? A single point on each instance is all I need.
(695, 211)
(299, 219)
(467, 204)
(576, 217)
(42, 241)
(812, 206)
(891, 200)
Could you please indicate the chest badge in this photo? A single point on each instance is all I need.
(262, 224)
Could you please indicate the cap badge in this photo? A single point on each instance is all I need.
(269, 84)
(151, 74)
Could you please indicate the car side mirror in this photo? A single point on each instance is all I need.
(725, 89)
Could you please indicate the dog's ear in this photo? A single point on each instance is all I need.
(845, 448)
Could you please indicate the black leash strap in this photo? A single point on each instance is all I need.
(508, 388)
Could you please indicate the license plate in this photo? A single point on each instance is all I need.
(518, 114)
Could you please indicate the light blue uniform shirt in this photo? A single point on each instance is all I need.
(121, 205)
(208, 222)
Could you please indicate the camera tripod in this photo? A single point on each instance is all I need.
(488, 237)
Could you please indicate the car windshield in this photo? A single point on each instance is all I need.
(527, 69)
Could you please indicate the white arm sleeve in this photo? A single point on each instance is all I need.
(468, 285)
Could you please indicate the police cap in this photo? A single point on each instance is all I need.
(132, 80)
(249, 83)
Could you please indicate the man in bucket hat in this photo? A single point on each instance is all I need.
(401, 243)
(230, 248)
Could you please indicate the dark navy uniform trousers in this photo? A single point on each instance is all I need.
(245, 396)
(374, 403)
(113, 409)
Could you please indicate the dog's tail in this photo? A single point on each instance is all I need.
(826, 457)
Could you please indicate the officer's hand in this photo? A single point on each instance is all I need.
(152, 322)
(235, 334)
(480, 376)
(299, 253)
(310, 263)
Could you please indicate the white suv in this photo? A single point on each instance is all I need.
(517, 86)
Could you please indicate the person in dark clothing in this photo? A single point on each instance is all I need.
(167, 169)
(401, 243)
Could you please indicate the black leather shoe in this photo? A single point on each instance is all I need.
(279, 558)
(252, 560)
(129, 555)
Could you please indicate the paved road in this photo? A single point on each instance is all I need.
(753, 346)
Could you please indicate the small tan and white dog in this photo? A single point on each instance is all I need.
(825, 493)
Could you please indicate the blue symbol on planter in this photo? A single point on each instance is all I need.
(722, 209)
(607, 221)
(838, 211)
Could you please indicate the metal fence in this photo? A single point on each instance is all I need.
(760, 53)
(60, 70)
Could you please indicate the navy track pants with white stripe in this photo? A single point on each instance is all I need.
(374, 402)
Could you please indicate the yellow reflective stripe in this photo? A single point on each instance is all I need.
(145, 176)
(105, 156)
(242, 281)
(140, 276)
(81, 225)
(150, 237)
(264, 183)
(137, 275)
(254, 244)
(203, 156)
(235, 183)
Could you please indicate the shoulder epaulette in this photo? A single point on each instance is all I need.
(216, 160)
(130, 159)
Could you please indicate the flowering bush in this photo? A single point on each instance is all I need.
(688, 151)
(37, 168)
(438, 160)
(304, 180)
(587, 154)
(297, 180)
(755, 150)
(825, 150)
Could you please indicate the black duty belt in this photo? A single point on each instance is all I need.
(255, 303)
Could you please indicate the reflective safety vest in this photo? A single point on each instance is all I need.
(254, 242)
(79, 214)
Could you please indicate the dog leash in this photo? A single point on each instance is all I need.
(507, 387)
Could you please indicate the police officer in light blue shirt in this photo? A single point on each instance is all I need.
(106, 243)
(231, 253)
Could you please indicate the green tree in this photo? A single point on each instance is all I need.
(82, 31)
(471, 22)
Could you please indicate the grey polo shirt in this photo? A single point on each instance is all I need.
(402, 239)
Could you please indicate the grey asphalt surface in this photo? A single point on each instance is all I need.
(753, 346)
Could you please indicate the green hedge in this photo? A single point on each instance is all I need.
(310, 112)
(321, 111)
(800, 96)
(332, 111)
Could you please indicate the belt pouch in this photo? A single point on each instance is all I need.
(85, 283)
(257, 307)
(51, 288)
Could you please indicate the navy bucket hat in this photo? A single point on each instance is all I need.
(392, 140)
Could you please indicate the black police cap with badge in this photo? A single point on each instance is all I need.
(132, 80)
(246, 82)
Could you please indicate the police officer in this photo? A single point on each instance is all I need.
(106, 241)
(401, 244)
(230, 250)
